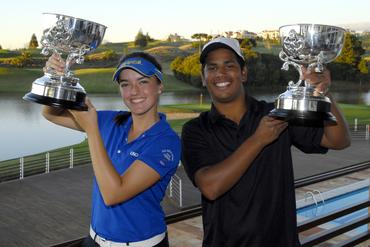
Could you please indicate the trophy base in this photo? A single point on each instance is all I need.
(307, 118)
(79, 106)
(299, 106)
(50, 91)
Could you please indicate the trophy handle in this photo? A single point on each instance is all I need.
(284, 57)
(78, 57)
(319, 65)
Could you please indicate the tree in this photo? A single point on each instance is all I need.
(1, 47)
(141, 39)
(125, 49)
(248, 43)
(362, 66)
(33, 42)
(148, 38)
(202, 38)
(188, 69)
(352, 50)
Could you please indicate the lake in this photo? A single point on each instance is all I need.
(24, 131)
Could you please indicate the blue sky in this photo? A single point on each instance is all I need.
(19, 19)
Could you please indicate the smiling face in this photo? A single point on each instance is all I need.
(223, 76)
(139, 93)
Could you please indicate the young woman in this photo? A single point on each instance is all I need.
(134, 154)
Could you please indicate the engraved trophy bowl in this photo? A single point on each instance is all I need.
(310, 45)
(72, 37)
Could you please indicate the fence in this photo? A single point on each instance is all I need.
(360, 132)
(43, 163)
(175, 190)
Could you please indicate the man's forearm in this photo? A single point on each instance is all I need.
(214, 181)
(336, 136)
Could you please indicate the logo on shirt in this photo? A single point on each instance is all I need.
(134, 154)
(167, 156)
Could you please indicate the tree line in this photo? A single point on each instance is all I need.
(265, 69)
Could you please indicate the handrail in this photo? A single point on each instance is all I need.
(312, 195)
(298, 183)
(308, 224)
(323, 236)
(42, 163)
(196, 210)
(320, 194)
(353, 241)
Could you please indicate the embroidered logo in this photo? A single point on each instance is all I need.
(134, 154)
(167, 156)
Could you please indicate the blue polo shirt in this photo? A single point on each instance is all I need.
(141, 217)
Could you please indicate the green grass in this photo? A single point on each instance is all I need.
(177, 124)
(94, 80)
(361, 112)
(100, 81)
(186, 108)
(17, 80)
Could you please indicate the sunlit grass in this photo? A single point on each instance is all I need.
(361, 112)
(94, 80)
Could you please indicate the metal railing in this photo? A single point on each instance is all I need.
(322, 235)
(174, 190)
(196, 210)
(42, 163)
(54, 160)
(360, 132)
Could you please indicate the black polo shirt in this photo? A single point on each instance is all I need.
(259, 210)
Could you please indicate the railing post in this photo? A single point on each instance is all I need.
(71, 158)
(21, 168)
(355, 127)
(180, 192)
(47, 162)
(171, 182)
(367, 132)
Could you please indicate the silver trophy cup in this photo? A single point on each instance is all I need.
(72, 37)
(313, 46)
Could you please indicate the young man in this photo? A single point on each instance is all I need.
(240, 159)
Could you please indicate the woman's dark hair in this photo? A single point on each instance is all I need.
(121, 118)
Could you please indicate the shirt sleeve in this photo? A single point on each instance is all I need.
(307, 139)
(195, 149)
(105, 118)
(163, 154)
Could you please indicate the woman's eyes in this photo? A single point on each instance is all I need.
(126, 84)
(123, 84)
(143, 81)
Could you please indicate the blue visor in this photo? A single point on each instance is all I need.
(140, 65)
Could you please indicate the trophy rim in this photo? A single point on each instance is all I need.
(76, 18)
(312, 24)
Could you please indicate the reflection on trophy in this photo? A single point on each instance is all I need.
(73, 37)
(311, 45)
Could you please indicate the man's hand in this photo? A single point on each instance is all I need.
(321, 81)
(269, 129)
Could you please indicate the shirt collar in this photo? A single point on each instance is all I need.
(158, 127)
(215, 115)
